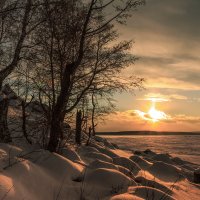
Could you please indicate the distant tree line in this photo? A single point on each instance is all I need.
(66, 56)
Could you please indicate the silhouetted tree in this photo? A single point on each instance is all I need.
(75, 49)
(90, 32)
(11, 19)
(19, 19)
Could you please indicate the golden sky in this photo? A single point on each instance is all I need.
(167, 40)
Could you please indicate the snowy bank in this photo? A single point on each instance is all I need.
(93, 172)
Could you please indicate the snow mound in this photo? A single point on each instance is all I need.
(152, 183)
(90, 157)
(39, 175)
(166, 172)
(178, 161)
(10, 150)
(8, 154)
(125, 171)
(100, 183)
(144, 164)
(125, 196)
(149, 153)
(166, 158)
(122, 153)
(149, 193)
(87, 149)
(108, 152)
(108, 144)
(127, 163)
(107, 174)
(102, 164)
(56, 162)
(70, 154)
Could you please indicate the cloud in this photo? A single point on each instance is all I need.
(177, 19)
(166, 35)
(185, 73)
(132, 120)
(153, 115)
(178, 97)
(171, 83)
(165, 118)
(158, 97)
(186, 119)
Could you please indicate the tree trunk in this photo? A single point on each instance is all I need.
(62, 100)
(58, 113)
(55, 131)
(4, 131)
(89, 136)
(93, 115)
(78, 127)
(24, 122)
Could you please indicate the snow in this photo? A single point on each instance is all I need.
(107, 152)
(102, 182)
(164, 158)
(37, 175)
(146, 192)
(126, 171)
(93, 172)
(144, 164)
(152, 183)
(126, 196)
(90, 157)
(70, 154)
(166, 172)
(127, 163)
(102, 164)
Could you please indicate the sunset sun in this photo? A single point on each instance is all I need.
(156, 115)
(153, 115)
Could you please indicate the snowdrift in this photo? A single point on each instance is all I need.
(93, 172)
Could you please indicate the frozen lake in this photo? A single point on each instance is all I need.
(186, 147)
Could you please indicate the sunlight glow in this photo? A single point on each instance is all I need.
(153, 115)
(156, 115)
(156, 99)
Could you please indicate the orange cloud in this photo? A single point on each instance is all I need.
(132, 120)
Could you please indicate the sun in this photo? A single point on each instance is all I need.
(153, 115)
(156, 115)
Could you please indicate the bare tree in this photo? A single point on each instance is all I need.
(74, 49)
(18, 21)
(11, 63)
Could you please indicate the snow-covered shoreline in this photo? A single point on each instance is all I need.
(186, 147)
(99, 171)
